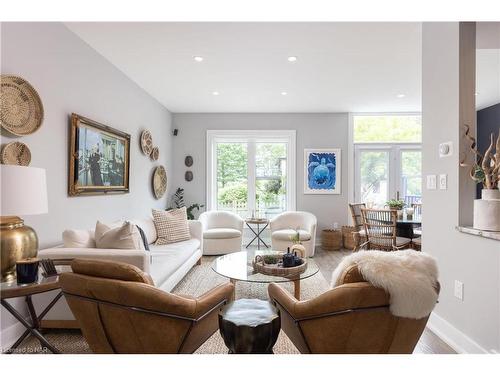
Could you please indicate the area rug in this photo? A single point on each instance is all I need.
(198, 281)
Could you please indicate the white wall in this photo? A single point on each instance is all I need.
(471, 325)
(71, 77)
(318, 130)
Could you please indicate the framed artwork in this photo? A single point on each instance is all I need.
(322, 171)
(99, 158)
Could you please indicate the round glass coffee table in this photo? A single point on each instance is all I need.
(238, 267)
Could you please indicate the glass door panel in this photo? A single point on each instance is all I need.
(270, 178)
(373, 177)
(410, 189)
(232, 177)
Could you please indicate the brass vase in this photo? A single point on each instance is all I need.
(17, 241)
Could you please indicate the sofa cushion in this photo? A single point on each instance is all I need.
(171, 226)
(125, 236)
(286, 235)
(166, 259)
(221, 233)
(110, 270)
(76, 238)
(148, 226)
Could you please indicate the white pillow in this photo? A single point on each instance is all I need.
(78, 238)
(126, 236)
(148, 226)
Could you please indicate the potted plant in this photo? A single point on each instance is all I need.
(178, 202)
(398, 205)
(297, 244)
(485, 170)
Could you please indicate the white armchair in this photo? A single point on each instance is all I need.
(286, 224)
(222, 232)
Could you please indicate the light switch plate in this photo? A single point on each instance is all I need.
(443, 182)
(431, 182)
(459, 290)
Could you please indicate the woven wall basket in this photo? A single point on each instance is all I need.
(21, 110)
(16, 153)
(159, 182)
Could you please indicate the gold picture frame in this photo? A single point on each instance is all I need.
(99, 158)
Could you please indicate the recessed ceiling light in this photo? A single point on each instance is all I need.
(284, 93)
(401, 95)
(215, 93)
(198, 58)
(292, 58)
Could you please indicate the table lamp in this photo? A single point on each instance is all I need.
(23, 192)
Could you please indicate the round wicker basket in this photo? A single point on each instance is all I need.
(16, 153)
(146, 142)
(277, 269)
(331, 239)
(21, 110)
(348, 237)
(155, 153)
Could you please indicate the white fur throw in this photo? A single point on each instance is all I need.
(409, 276)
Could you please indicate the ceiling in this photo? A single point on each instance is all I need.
(340, 67)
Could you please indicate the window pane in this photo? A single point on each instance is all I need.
(232, 177)
(411, 176)
(374, 176)
(270, 175)
(387, 129)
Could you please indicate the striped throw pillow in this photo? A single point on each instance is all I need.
(171, 226)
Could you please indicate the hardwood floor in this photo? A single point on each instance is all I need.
(429, 343)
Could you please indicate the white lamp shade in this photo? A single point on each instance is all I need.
(23, 190)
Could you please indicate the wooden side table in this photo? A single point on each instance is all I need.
(11, 289)
(250, 326)
(331, 239)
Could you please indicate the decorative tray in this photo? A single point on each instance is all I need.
(261, 265)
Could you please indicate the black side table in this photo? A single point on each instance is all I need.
(249, 222)
(249, 326)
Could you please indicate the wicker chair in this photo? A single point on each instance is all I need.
(357, 222)
(380, 227)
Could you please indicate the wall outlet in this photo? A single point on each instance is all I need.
(443, 182)
(431, 182)
(445, 149)
(459, 290)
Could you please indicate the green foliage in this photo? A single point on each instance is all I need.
(396, 204)
(295, 238)
(231, 163)
(233, 193)
(387, 129)
(178, 202)
(271, 259)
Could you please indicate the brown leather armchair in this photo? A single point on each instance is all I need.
(120, 311)
(351, 318)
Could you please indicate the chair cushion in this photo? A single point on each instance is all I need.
(171, 226)
(221, 233)
(166, 259)
(400, 241)
(286, 234)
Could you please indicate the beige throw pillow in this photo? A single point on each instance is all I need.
(171, 226)
(126, 236)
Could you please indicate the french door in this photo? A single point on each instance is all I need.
(251, 173)
(387, 171)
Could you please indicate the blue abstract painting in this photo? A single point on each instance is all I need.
(322, 171)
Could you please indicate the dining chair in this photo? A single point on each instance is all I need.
(357, 221)
(380, 228)
(417, 211)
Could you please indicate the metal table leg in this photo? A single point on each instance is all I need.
(257, 235)
(33, 328)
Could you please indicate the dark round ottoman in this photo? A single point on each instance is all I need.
(249, 326)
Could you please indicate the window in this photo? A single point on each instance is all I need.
(251, 173)
(387, 158)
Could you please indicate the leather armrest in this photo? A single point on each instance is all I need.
(207, 301)
(341, 298)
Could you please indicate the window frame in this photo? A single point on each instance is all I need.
(251, 137)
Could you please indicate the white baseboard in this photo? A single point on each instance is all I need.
(455, 338)
(9, 335)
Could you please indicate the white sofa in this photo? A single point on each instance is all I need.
(167, 264)
(222, 232)
(285, 225)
